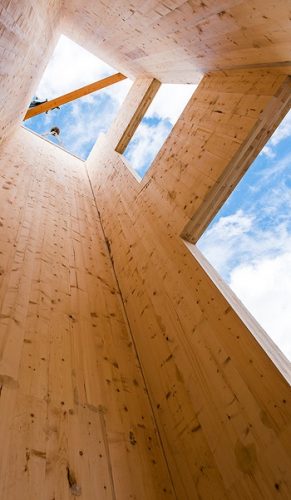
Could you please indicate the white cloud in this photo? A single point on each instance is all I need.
(118, 91)
(256, 263)
(165, 109)
(238, 238)
(146, 144)
(72, 67)
(86, 120)
(281, 133)
(265, 288)
(268, 151)
(280, 167)
(170, 101)
(220, 242)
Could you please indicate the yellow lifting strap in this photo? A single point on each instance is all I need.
(76, 94)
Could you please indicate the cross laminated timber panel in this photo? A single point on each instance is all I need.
(176, 41)
(222, 405)
(28, 34)
(75, 418)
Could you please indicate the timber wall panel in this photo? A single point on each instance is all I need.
(74, 411)
(176, 41)
(223, 408)
(28, 33)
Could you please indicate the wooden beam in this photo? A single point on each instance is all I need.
(75, 94)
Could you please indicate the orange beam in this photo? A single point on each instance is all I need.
(76, 94)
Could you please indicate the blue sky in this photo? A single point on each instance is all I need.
(80, 121)
(249, 241)
(156, 125)
(146, 142)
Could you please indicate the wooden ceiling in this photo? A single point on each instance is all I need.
(178, 40)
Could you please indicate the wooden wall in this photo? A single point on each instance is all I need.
(127, 369)
(75, 418)
(222, 406)
(177, 41)
(28, 33)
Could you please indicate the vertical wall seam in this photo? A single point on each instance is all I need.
(107, 450)
(129, 329)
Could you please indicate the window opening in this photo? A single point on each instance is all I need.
(156, 125)
(249, 240)
(81, 121)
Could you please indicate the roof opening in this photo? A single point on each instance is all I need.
(249, 240)
(81, 121)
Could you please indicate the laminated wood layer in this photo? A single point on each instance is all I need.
(28, 33)
(222, 405)
(178, 40)
(75, 417)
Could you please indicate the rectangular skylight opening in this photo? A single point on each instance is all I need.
(156, 125)
(249, 240)
(81, 121)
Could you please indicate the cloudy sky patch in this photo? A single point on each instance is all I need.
(156, 125)
(80, 121)
(249, 241)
